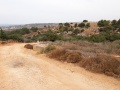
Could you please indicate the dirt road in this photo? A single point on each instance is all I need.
(22, 69)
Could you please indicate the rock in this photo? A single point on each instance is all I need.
(28, 46)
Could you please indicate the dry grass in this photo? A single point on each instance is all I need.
(102, 64)
(49, 48)
(57, 53)
(65, 55)
(91, 56)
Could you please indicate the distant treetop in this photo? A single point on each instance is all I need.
(85, 20)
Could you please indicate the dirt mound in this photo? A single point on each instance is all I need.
(28, 46)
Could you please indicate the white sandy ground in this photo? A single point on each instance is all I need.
(22, 69)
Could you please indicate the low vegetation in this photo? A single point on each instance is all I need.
(65, 55)
(107, 31)
(102, 64)
(92, 56)
(47, 49)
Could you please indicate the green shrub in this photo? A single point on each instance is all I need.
(82, 25)
(49, 37)
(67, 24)
(34, 29)
(87, 25)
(76, 31)
(85, 21)
(103, 23)
(97, 38)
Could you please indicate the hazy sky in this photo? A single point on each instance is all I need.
(46, 11)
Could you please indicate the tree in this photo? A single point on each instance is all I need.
(97, 38)
(67, 24)
(87, 25)
(49, 36)
(25, 31)
(106, 29)
(16, 37)
(118, 22)
(82, 25)
(85, 21)
(114, 22)
(114, 37)
(3, 36)
(34, 29)
(82, 30)
(60, 24)
(45, 26)
(76, 31)
(103, 23)
(75, 25)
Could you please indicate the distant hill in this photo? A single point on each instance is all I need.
(10, 27)
(1, 25)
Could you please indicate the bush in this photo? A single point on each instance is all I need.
(3, 35)
(76, 31)
(34, 29)
(49, 36)
(67, 24)
(114, 37)
(57, 53)
(102, 64)
(103, 23)
(16, 37)
(87, 25)
(97, 38)
(75, 25)
(78, 37)
(85, 21)
(106, 29)
(72, 57)
(66, 55)
(82, 25)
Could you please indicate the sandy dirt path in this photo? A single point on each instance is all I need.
(22, 69)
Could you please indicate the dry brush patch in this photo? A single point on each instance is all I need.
(102, 64)
(98, 61)
(63, 54)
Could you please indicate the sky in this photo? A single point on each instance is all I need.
(56, 11)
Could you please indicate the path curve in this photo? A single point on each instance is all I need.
(22, 69)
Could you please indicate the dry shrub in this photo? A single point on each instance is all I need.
(28, 46)
(57, 53)
(102, 64)
(66, 55)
